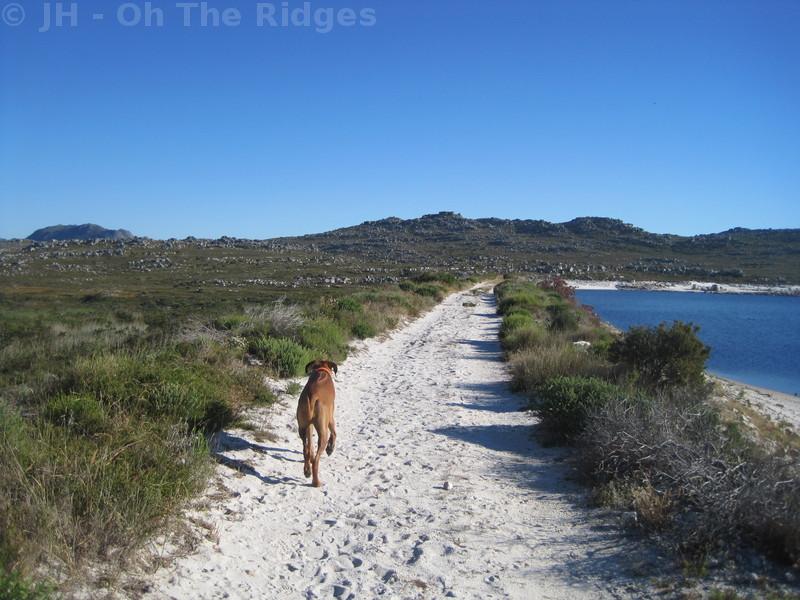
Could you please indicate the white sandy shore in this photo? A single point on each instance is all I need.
(436, 489)
(778, 406)
(687, 286)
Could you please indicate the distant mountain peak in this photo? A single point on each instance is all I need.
(87, 231)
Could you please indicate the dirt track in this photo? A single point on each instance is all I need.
(436, 489)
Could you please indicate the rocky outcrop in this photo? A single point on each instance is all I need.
(88, 231)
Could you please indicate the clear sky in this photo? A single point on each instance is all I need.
(678, 116)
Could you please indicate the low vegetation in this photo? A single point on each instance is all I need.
(636, 409)
(107, 402)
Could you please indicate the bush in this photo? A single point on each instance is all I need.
(446, 278)
(524, 338)
(530, 368)
(431, 291)
(349, 304)
(522, 300)
(559, 286)
(324, 338)
(283, 356)
(294, 388)
(230, 322)
(663, 357)
(78, 495)
(563, 317)
(565, 403)
(161, 384)
(81, 414)
(714, 489)
(277, 319)
(363, 329)
(515, 321)
(14, 587)
(187, 404)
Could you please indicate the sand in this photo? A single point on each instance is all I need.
(687, 286)
(436, 489)
(778, 406)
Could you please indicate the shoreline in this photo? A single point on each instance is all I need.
(697, 287)
(779, 406)
(775, 404)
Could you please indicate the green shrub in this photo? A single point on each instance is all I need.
(564, 403)
(230, 322)
(80, 495)
(363, 329)
(602, 346)
(663, 357)
(294, 388)
(426, 290)
(530, 301)
(324, 338)
(161, 384)
(563, 317)
(446, 278)
(349, 304)
(525, 338)
(284, 356)
(513, 322)
(531, 367)
(80, 413)
(189, 404)
(14, 587)
(429, 290)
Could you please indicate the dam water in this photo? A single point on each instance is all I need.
(754, 339)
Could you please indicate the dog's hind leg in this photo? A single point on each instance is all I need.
(307, 450)
(322, 434)
(332, 441)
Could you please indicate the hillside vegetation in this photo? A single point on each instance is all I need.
(586, 247)
(108, 398)
(381, 251)
(636, 408)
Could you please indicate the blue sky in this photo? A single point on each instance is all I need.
(677, 116)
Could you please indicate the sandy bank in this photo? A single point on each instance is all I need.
(687, 286)
(778, 406)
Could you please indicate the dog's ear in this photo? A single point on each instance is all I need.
(309, 365)
(333, 366)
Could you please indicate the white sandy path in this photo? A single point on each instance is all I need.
(428, 405)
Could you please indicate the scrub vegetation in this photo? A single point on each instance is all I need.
(638, 412)
(109, 396)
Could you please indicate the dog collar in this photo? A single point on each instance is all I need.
(326, 369)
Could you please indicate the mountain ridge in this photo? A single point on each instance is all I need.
(452, 220)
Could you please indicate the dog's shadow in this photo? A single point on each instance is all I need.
(224, 442)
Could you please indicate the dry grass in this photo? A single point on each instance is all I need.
(653, 508)
(532, 367)
(281, 318)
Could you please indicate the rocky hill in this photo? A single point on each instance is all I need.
(88, 231)
(388, 249)
(585, 246)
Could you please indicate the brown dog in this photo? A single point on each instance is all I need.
(315, 407)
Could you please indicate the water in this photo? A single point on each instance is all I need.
(753, 339)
